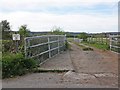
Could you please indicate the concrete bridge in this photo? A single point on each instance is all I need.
(81, 69)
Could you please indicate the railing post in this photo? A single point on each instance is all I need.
(49, 47)
(29, 49)
(110, 41)
(25, 47)
(58, 45)
(65, 41)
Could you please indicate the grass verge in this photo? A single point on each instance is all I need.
(97, 45)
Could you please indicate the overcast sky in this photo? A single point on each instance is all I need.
(71, 15)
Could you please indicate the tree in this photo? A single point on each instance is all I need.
(23, 31)
(5, 27)
(57, 31)
(83, 36)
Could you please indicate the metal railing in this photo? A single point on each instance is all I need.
(115, 43)
(43, 47)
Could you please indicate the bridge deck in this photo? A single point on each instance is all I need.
(59, 62)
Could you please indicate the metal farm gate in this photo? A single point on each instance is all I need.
(115, 43)
(41, 48)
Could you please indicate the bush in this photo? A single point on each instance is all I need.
(6, 45)
(16, 64)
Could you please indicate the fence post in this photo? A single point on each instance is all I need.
(49, 47)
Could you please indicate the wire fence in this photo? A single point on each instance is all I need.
(41, 48)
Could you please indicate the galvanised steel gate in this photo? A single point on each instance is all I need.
(115, 43)
(41, 48)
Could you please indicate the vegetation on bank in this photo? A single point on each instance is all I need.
(16, 64)
(13, 62)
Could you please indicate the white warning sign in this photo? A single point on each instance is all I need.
(16, 36)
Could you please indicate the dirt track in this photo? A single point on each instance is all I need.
(92, 69)
(96, 61)
(103, 65)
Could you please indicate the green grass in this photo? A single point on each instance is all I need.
(70, 39)
(84, 48)
(103, 46)
(97, 45)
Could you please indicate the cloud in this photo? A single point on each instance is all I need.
(71, 15)
(44, 5)
(69, 22)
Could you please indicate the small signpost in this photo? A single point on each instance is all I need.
(16, 37)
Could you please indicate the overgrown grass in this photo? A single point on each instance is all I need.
(83, 47)
(67, 45)
(70, 39)
(97, 45)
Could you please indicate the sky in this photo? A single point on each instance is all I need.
(91, 16)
